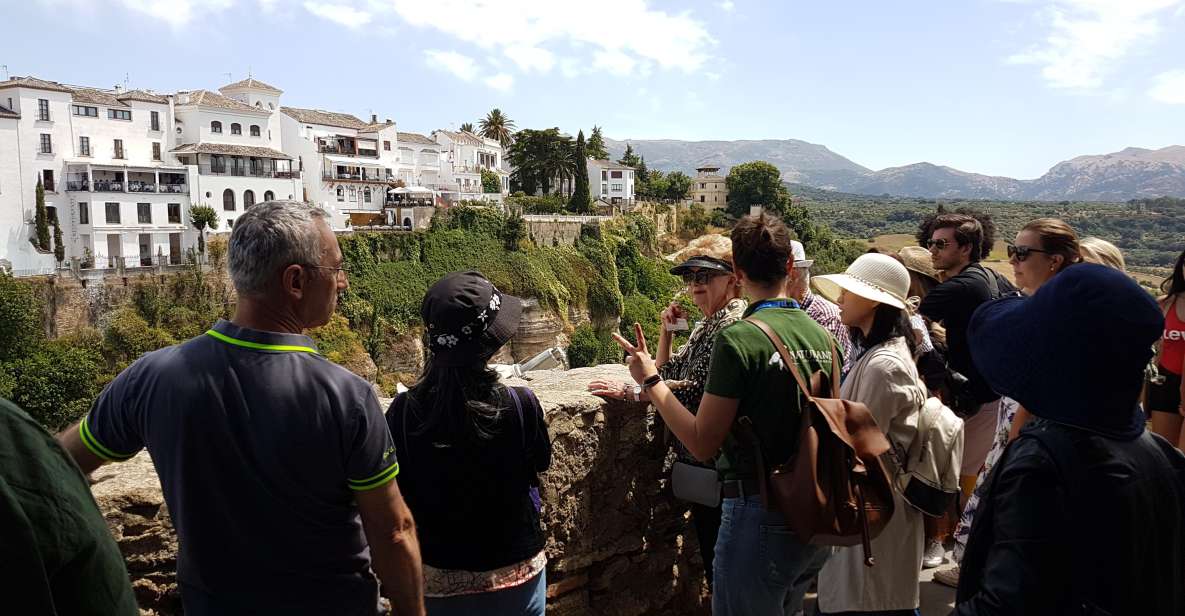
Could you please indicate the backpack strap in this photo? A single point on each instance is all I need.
(518, 406)
(989, 277)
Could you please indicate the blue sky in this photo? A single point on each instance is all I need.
(1006, 87)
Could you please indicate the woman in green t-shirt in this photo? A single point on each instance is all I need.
(760, 568)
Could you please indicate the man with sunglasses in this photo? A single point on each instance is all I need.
(957, 243)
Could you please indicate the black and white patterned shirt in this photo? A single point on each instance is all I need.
(690, 362)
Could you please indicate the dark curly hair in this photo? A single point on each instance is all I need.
(761, 248)
(987, 239)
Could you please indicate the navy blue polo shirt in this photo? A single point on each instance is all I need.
(260, 444)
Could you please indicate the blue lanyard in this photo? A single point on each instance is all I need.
(774, 303)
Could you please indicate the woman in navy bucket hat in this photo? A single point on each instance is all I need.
(470, 450)
(1085, 512)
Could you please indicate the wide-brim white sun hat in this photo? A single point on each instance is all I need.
(873, 276)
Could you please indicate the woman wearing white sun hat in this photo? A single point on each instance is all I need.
(872, 297)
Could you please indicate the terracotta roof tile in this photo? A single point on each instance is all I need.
(375, 127)
(226, 148)
(415, 138)
(251, 83)
(463, 137)
(608, 164)
(34, 83)
(324, 118)
(142, 96)
(95, 97)
(206, 98)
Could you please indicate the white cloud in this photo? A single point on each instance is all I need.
(1169, 87)
(460, 65)
(176, 13)
(342, 14)
(727, 6)
(614, 29)
(530, 58)
(614, 62)
(1087, 38)
(501, 82)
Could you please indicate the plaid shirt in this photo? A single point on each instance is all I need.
(826, 314)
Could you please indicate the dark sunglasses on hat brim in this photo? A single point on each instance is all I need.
(1020, 253)
(703, 276)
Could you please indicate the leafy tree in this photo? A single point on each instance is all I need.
(59, 245)
(755, 183)
(468, 128)
(55, 385)
(20, 318)
(596, 145)
(581, 201)
(678, 185)
(539, 158)
(694, 222)
(40, 219)
(654, 186)
(202, 216)
(629, 158)
(490, 182)
(497, 126)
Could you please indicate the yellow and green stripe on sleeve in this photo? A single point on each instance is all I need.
(97, 448)
(382, 477)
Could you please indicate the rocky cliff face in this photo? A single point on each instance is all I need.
(617, 543)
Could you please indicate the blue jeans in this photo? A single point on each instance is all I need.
(761, 567)
(913, 612)
(526, 599)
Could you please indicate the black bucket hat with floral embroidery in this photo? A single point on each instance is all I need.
(468, 319)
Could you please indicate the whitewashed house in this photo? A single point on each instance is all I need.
(231, 142)
(103, 159)
(611, 182)
(465, 155)
(349, 165)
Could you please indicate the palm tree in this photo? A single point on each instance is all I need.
(202, 216)
(497, 126)
(467, 127)
(560, 161)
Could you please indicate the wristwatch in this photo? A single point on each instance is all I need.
(636, 390)
(651, 381)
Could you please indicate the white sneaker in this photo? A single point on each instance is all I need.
(934, 556)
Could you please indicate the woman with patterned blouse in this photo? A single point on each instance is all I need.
(707, 271)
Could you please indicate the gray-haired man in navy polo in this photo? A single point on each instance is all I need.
(276, 464)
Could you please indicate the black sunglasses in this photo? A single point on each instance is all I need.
(701, 277)
(1022, 252)
(940, 244)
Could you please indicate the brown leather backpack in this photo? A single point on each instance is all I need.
(835, 490)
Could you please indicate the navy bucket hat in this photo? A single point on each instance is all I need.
(468, 319)
(1075, 351)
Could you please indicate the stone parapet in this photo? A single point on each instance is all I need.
(617, 543)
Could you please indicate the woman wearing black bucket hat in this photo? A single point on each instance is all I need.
(470, 450)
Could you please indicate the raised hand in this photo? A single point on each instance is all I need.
(640, 362)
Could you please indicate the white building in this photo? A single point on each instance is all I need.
(102, 157)
(419, 161)
(611, 182)
(465, 156)
(349, 165)
(232, 145)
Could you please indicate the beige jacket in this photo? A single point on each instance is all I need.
(886, 380)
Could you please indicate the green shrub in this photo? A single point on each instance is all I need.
(588, 348)
(21, 330)
(128, 336)
(55, 385)
(342, 346)
(183, 323)
(646, 312)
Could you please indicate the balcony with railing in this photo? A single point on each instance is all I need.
(246, 171)
(356, 175)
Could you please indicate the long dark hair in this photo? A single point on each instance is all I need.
(887, 322)
(456, 401)
(1174, 285)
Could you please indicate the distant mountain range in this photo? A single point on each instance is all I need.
(1128, 174)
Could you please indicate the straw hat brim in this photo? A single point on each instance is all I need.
(831, 285)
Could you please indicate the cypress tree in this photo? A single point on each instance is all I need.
(41, 220)
(59, 247)
(581, 202)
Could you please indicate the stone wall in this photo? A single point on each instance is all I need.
(617, 543)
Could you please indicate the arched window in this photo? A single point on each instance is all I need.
(366, 195)
(216, 126)
(254, 130)
(407, 222)
(248, 198)
(341, 194)
(228, 200)
(269, 196)
(259, 103)
(236, 129)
